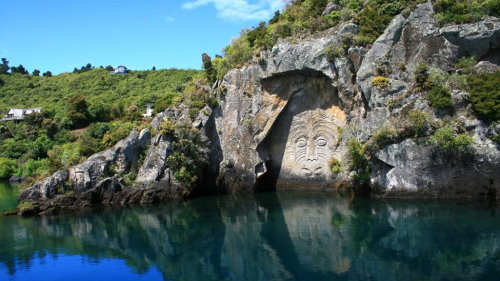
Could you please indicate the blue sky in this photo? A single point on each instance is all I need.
(58, 35)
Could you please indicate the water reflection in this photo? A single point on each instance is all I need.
(8, 196)
(284, 236)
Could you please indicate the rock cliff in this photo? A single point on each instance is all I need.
(293, 117)
(286, 116)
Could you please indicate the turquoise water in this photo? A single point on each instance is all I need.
(293, 236)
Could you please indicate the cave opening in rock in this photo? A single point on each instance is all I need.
(305, 136)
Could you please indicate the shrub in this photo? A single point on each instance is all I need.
(7, 168)
(119, 131)
(360, 164)
(421, 75)
(65, 156)
(380, 81)
(484, 93)
(167, 128)
(189, 155)
(335, 165)
(384, 135)
(466, 65)
(418, 122)
(445, 141)
(34, 167)
(333, 52)
(440, 97)
(461, 11)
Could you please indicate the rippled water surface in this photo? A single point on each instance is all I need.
(292, 236)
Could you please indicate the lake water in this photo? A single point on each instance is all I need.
(283, 236)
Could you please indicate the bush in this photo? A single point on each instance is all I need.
(335, 165)
(34, 167)
(466, 65)
(167, 128)
(384, 135)
(360, 164)
(333, 52)
(484, 93)
(465, 11)
(64, 156)
(7, 168)
(440, 97)
(445, 141)
(421, 75)
(380, 81)
(418, 122)
(119, 131)
(189, 155)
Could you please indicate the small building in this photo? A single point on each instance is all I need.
(149, 110)
(18, 114)
(121, 70)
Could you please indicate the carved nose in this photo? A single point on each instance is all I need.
(311, 151)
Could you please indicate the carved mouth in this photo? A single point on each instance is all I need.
(316, 172)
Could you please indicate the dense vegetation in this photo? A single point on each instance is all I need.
(303, 17)
(484, 93)
(83, 112)
(465, 11)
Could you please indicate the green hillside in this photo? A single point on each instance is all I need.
(83, 112)
(97, 85)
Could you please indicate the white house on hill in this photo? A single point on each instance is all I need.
(149, 110)
(18, 114)
(120, 70)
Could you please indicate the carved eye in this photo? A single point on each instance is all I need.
(301, 142)
(306, 171)
(321, 141)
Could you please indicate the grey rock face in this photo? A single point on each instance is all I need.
(105, 177)
(263, 105)
(154, 166)
(123, 157)
(475, 39)
(417, 169)
(46, 188)
(330, 7)
(486, 67)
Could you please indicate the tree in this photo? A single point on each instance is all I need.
(275, 18)
(4, 67)
(47, 74)
(36, 72)
(154, 68)
(88, 67)
(109, 68)
(77, 111)
(20, 69)
(208, 67)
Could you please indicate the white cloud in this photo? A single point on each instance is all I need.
(239, 10)
(169, 19)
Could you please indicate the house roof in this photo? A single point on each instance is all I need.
(19, 113)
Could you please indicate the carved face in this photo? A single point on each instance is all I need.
(311, 143)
